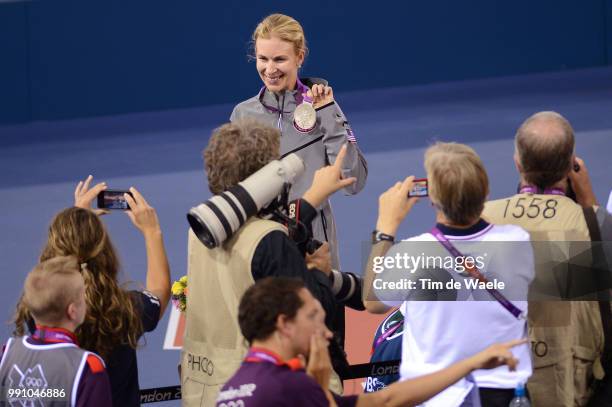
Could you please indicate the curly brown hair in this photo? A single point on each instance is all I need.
(237, 150)
(112, 317)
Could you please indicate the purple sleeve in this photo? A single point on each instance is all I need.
(94, 389)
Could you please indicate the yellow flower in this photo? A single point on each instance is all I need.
(183, 280)
(177, 288)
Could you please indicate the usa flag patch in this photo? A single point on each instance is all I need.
(350, 136)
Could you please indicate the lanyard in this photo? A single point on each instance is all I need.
(46, 334)
(300, 97)
(529, 189)
(258, 355)
(474, 273)
(387, 334)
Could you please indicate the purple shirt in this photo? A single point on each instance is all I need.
(267, 384)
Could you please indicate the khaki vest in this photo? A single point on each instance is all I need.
(213, 347)
(566, 336)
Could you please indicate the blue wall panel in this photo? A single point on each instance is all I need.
(111, 57)
(607, 13)
(14, 101)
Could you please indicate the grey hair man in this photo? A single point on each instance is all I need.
(568, 337)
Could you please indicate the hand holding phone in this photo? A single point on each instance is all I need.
(113, 199)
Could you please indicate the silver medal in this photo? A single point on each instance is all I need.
(305, 117)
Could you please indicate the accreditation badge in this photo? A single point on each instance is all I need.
(304, 117)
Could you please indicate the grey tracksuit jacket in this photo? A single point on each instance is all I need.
(317, 148)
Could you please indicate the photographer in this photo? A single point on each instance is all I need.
(213, 347)
(576, 335)
(443, 326)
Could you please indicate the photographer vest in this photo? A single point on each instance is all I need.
(213, 347)
(567, 337)
(42, 368)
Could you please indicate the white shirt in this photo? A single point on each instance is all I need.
(440, 333)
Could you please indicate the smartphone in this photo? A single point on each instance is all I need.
(113, 199)
(419, 188)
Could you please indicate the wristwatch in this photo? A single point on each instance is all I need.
(379, 237)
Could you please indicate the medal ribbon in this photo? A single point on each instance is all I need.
(529, 189)
(474, 273)
(302, 96)
(53, 335)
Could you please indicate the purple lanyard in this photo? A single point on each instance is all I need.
(302, 96)
(529, 189)
(52, 335)
(474, 273)
(387, 334)
(259, 356)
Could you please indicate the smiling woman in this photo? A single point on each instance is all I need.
(304, 110)
(311, 124)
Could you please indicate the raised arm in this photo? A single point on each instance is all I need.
(393, 206)
(145, 219)
(413, 392)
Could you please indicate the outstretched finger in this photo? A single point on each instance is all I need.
(86, 184)
(340, 157)
(131, 202)
(96, 189)
(314, 350)
(138, 196)
(77, 190)
(514, 342)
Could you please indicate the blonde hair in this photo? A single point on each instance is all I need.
(457, 181)
(544, 146)
(284, 28)
(112, 318)
(237, 150)
(51, 287)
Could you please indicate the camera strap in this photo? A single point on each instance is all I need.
(474, 273)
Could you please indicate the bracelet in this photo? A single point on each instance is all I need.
(379, 237)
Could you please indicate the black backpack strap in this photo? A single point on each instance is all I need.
(591, 221)
(604, 305)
